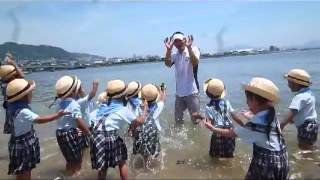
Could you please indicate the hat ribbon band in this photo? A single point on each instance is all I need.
(73, 82)
(117, 93)
(298, 79)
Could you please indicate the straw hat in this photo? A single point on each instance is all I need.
(214, 87)
(102, 97)
(78, 85)
(150, 93)
(299, 76)
(7, 71)
(66, 85)
(264, 88)
(116, 89)
(133, 88)
(19, 88)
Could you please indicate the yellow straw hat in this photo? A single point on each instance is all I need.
(150, 93)
(264, 88)
(19, 88)
(102, 97)
(7, 71)
(134, 88)
(299, 76)
(78, 85)
(215, 87)
(116, 89)
(66, 85)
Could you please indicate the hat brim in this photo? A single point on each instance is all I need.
(24, 93)
(267, 95)
(9, 75)
(205, 87)
(136, 91)
(156, 100)
(297, 81)
(71, 90)
(78, 85)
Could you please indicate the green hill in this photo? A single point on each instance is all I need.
(32, 52)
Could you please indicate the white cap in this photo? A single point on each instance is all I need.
(178, 36)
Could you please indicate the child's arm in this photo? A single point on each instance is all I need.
(222, 132)
(94, 89)
(10, 61)
(51, 117)
(140, 119)
(82, 126)
(288, 118)
(236, 118)
(162, 94)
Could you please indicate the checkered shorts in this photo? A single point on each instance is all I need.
(24, 153)
(85, 141)
(308, 132)
(107, 149)
(222, 147)
(147, 140)
(267, 164)
(70, 144)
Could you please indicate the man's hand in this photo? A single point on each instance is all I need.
(189, 41)
(168, 43)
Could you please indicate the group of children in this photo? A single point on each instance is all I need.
(261, 128)
(140, 107)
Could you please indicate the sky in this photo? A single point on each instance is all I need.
(125, 28)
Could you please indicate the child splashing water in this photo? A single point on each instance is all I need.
(24, 149)
(107, 148)
(69, 141)
(219, 112)
(270, 157)
(147, 137)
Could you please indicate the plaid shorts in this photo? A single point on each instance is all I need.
(24, 153)
(107, 149)
(147, 140)
(85, 141)
(70, 144)
(222, 147)
(267, 164)
(308, 132)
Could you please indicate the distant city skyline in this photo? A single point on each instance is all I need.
(122, 29)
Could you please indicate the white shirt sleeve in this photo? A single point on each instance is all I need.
(76, 111)
(28, 115)
(127, 115)
(83, 100)
(157, 112)
(296, 103)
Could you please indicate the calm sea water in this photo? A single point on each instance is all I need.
(189, 144)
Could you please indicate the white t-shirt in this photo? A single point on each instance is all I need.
(85, 110)
(117, 120)
(69, 120)
(186, 82)
(23, 121)
(304, 103)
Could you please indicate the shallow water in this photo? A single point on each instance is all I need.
(184, 149)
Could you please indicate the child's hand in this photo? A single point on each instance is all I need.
(10, 61)
(62, 113)
(95, 84)
(79, 132)
(247, 114)
(198, 116)
(208, 124)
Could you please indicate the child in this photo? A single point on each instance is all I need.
(134, 88)
(219, 112)
(302, 108)
(147, 138)
(107, 147)
(84, 102)
(8, 73)
(24, 150)
(270, 157)
(69, 141)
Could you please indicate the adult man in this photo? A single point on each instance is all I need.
(185, 61)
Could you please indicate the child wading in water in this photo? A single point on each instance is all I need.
(107, 148)
(219, 112)
(84, 102)
(24, 149)
(302, 108)
(8, 73)
(147, 137)
(69, 141)
(270, 157)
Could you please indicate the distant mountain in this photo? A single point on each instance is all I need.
(32, 52)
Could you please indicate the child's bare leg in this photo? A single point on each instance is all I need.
(25, 175)
(102, 174)
(123, 168)
(304, 146)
